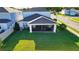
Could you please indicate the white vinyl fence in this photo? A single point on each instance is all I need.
(5, 34)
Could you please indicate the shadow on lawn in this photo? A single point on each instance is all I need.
(9, 45)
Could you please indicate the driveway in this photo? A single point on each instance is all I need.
(71, 23)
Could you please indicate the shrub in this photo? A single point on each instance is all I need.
(55, 20)
(16, 26)
(62, 26)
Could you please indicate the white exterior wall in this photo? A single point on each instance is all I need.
(19, 16)
(21, 24)
(4, 26)
(54, 28)
(5, 16)
(46, 13)
(5, 34)
(13, 17)
(72, 12)
(62, 11)
(53, 16)
(67, 12)
(9, 16)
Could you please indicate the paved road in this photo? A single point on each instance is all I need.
(71, 23)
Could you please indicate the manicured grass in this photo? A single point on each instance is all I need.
(24, 45)
(61, 14)
(75, 19)
(62, 40)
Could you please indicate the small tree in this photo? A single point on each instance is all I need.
(57, 9)
(55, 20)
(63, 26)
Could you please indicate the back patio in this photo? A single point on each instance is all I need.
(42, 28)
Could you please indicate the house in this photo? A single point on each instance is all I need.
(38, 22)
(3, 10)
(6, 23)
(71, 12)
(36, 19)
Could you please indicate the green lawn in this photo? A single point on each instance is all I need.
(24, 45)
(75, 19)
(61, 14)
(62, 40)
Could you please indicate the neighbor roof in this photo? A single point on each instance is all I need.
(4, 20)
(29, 18)
(37, 9)
(3, 9)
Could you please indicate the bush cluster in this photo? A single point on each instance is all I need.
(62, 27)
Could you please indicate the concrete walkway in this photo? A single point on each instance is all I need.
(71, 23)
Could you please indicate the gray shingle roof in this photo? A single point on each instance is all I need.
(29, 18)
(37, 9)
(42, 20)
(4, 20)
(3, 9)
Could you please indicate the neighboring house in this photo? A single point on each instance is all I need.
(37, 9)
(3, 10)
(6, 23)
(71, 12)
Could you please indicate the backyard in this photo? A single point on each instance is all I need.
(62, 40)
